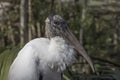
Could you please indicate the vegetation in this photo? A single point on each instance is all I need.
(94, 22)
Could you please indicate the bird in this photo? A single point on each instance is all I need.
(46, 58)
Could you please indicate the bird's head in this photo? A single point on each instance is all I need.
(57, 26)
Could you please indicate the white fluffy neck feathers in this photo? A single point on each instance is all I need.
(60, 54)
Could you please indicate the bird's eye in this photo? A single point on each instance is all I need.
(56, 23)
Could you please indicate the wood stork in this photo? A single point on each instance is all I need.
(47, 58)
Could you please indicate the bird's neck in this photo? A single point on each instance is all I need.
(57, 41)
(60, 53)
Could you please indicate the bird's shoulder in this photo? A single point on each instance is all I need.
(39, 41)
(38, 44)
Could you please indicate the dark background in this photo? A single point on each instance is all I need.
(96, 23)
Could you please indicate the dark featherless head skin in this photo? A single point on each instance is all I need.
(57, 26)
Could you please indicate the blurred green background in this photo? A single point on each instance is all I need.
(96, 24)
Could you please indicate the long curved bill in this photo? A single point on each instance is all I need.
(79, 48)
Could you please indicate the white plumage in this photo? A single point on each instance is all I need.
(42, 55)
